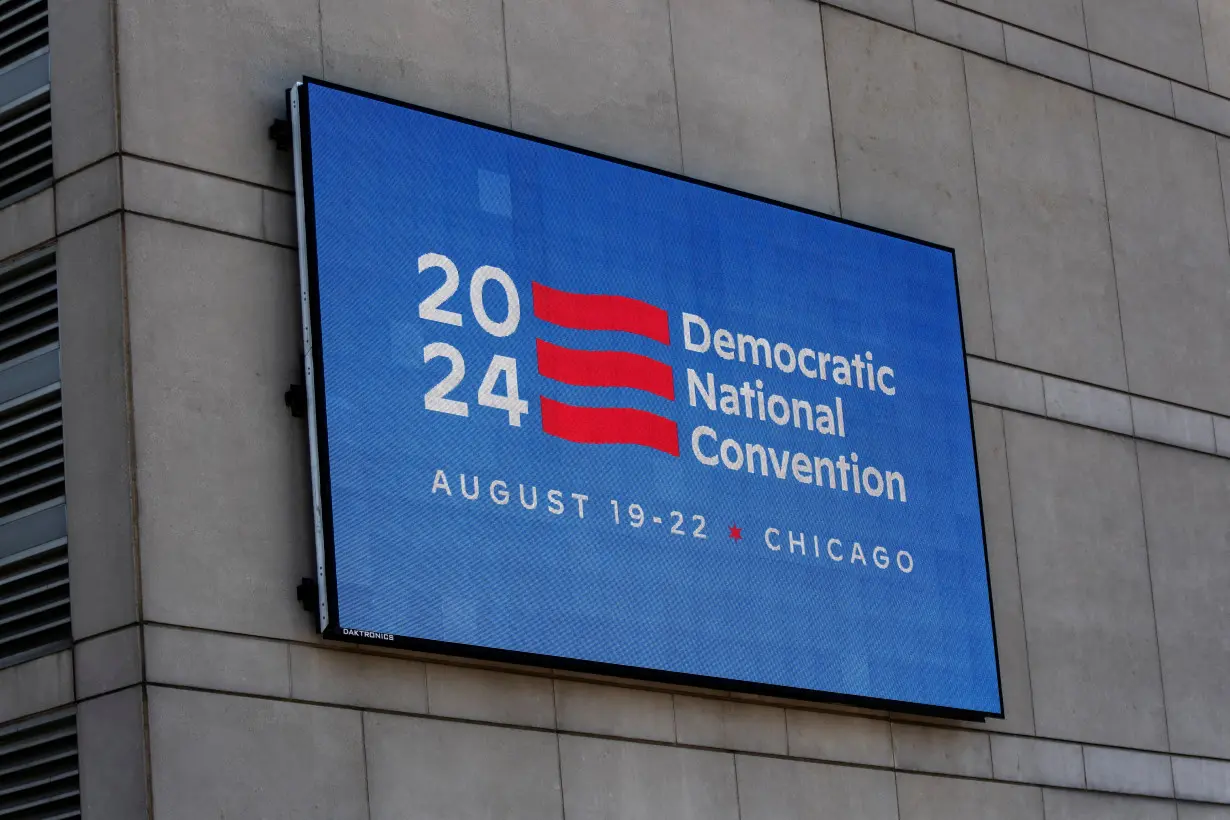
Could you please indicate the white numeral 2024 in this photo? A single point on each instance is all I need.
(431, 309)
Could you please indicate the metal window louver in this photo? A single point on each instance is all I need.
(23, 29)
(34, 608)
(34, 602)
(38, 769)
(31, 454)
(29, 314)
(25, 99)
(25, 147)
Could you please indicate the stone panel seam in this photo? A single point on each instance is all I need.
(149, 755)
(662, 744)
(1222, 188)
(117, 87)
(670, 36)
(508, 79)
(83, 168)
(555, 702)
(367, 781)
(559, 772)
(345, 648)
(828, 96)
(982, 225)
(1110, 236)
(528, 728)
(734, 765)
(1157, 640)
(106, 632)
(205, 172)
(290, 673)
(507, 64)
(1222, 185)
(1110, 390)
(1204, 47)
(130, 415)
(76, 228)
(427, 691)
(892, 743)
(700, 747)
(320, 35)
(289, 678)
(1168, 115)
(137, 685)
(817, 707)
(194, 226)
(1085, 48)
(134, 489)
(1016, 554)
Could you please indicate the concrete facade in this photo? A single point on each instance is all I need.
(1077, 156)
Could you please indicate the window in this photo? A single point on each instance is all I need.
(38, 768)
(25, 100)
(34, 603)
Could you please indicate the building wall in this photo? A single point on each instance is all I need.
(1076, 156)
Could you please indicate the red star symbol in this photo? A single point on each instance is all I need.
(736, 533)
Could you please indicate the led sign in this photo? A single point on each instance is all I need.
(570, 411)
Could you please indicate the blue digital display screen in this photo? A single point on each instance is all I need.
(583, 413)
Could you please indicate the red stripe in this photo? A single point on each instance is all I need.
(581, 311)
(605, 368)
(609, 425)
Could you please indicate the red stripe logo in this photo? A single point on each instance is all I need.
(605, 368)
(593, 312)
(609, 425)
